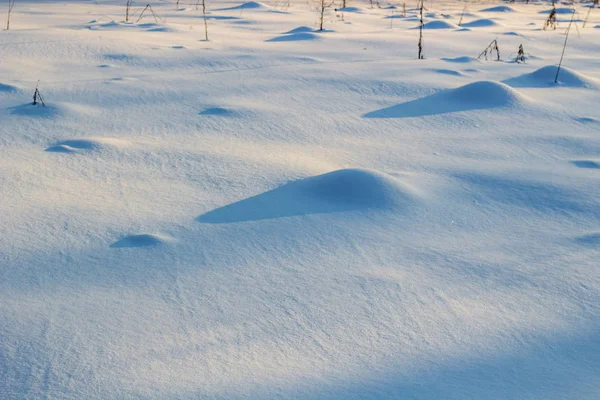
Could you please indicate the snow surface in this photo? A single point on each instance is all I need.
(280, 213)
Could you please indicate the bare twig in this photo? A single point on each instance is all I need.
(564, 47)
(322, 6)
(127, 9)
(421, 56)
(493, 46)
(37, 96)
(11, 4)
(148, 7)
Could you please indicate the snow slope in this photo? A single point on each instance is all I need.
(280, 213)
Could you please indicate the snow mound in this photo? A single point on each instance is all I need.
(586, 164)
(87, 144)
(480, 23)
(295, 37)
(545, 77)
(7, 88)
(218, 111)
(448, 72)
(499, 9)
(300, 29)
(474, 96)
(249, 5)
(351, 9)
(589, 239)
(112, 25)
(336, 191)
(462, 60)
(142, 240)
(560, 10)
(439, 24)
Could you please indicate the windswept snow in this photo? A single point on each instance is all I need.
(279, 212)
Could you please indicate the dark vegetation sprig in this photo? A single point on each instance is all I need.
(490, 49)
(37, 96)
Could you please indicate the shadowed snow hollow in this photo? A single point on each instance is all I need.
(545, 76)
(142, 240)
(75, 145)
(474, 96)
(337, 191)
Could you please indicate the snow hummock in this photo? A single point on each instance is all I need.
(480, 23)
(249, 5)
(4, 88)
(559, 10)
(336, 191)
(545, 76)
(502, 9)
(473, 96)
(300, 29)
(294, 37)
(462, 60)
(438, 24)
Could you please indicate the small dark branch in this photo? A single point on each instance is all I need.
(11, 4)
(462, 15)
(564, 47)
(128, 9)
(520, 55)
(587, 16)
(148, 7)
(322, 6)
(37, 96)
(421, 56)
(551, 21)
(490, 49)
(205, 20)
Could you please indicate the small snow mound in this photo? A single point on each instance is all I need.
(474, 96)
(480, 23)
(7, 88)
(342, 190)
(300, 29)
(295, 37)
(249, 5)
(545, 76)
(361, 187)
(438, 24)
(488, 93)
(589, 239)
(142, 240)
(462, 60)
(76, 145)
(218, 111)
(587, 164)
(350, 9)
(560, 10)
(499, 9)
(448, 72)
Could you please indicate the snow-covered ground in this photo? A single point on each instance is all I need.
(284, 213)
